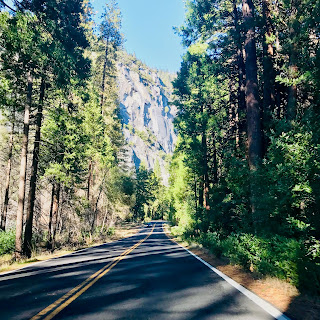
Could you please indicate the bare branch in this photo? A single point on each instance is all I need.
(7, 6)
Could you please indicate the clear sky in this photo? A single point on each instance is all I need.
(147, 26)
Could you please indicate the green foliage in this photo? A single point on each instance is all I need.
(55, 44)
(111, 24)
(111, 231)
(146, 136)
(276, 256)
(7, 241)
(265, 216)
(63, 157)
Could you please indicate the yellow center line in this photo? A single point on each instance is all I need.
(73, 294)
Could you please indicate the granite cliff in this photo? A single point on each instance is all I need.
(146, 115)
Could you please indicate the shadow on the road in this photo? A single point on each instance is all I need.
(162, 281)
(158, 280)
(304, 308)
(101, 254)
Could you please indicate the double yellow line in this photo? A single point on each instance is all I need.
(73, 294)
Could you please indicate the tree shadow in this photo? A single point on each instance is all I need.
(158, 280)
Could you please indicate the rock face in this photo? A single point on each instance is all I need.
(146, 115)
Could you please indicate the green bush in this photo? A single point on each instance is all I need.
(309, 266)
(177, 231)
(111, 231)
(7, 241)
(276, 256)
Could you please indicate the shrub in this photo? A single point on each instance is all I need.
(276, 256)
(309, 266)
(7, 241)
(111, 231)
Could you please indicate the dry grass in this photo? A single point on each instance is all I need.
(8, 264)
(278, 292)
(126, 230)
(122, 231)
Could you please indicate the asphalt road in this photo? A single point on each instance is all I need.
(146, 276)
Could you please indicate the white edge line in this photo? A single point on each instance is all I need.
(273, 311)
(31, 264)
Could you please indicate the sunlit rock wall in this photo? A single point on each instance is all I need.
(146, 114)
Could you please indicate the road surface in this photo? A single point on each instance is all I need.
(146, 276)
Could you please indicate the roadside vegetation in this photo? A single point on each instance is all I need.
(245, 173)
(64, 183)
(244, 177)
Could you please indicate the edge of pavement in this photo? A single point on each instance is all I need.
(31, 264)
(265, 305)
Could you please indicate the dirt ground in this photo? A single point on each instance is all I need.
(122, 230)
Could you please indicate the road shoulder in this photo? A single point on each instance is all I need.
(278, 293)
(121, 232)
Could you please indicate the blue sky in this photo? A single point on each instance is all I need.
(147, 26)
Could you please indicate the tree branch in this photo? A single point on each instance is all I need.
(7, 6)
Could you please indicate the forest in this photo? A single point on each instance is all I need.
(245, 174)
(61, 138)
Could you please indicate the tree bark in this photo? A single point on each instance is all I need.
(89, 180)
(195, 193)
(55, 208)
(9, 165)
(104, 71)
(241, 110)
(201, 184)
(252, 101)
(268, 72)
(215, 163)
(104, 218)
(233, 112)
(23, 170)
(205, 173)
(294, 26)
(252, 95)
(34, 172)
(292, 91)
(50, 218)
(95, 212)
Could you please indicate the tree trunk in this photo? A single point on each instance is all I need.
(292, 91)
(55, 208)
(33, 179)
(205, 173)
(201, 184)
(195, 193)
(104, 71)
(95, 212)
(252, 95)
(268, 72)
(89, 180)
(215, 163)
(252, 102)
(9, 165)
(23, 170)
(294, 25)
(50, 218)
(104, 219)
(233, 110)
(241, 110)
